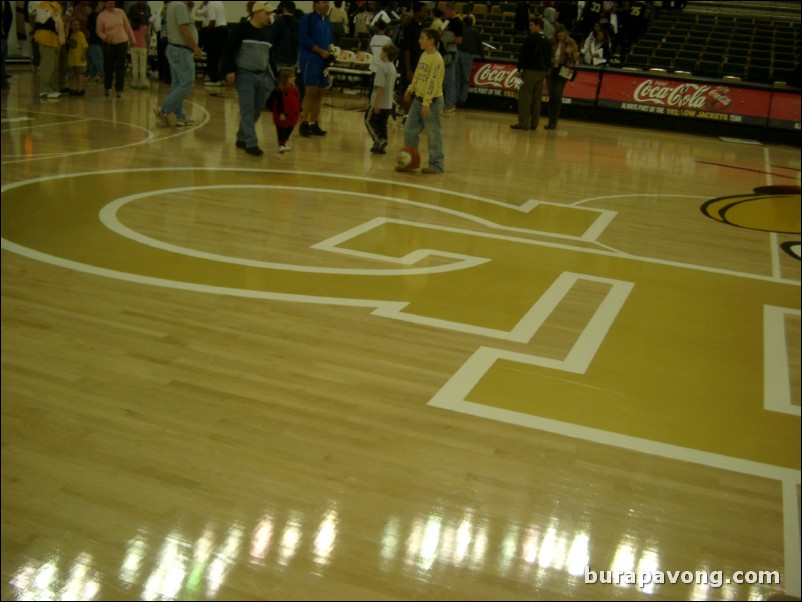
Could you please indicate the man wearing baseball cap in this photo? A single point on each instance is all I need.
(246, 63)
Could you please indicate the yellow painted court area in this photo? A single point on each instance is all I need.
(681, 362)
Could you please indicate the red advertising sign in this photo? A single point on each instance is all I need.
(681, 98)
(500, 79)
(785, 111)
(494, 79)
(583, 90)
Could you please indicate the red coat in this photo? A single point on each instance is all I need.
(287, 102)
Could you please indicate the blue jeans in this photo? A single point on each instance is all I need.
(94, 61)
(450, 83)
(416, 124)
(464, 68)
(251, 96)
(182, 76)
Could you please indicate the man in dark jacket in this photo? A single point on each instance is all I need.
(246, 63)
(533, 63)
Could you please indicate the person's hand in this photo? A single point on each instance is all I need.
(407, 96)
(325, 54)
(198, 52)
(230, 79)
(425, 112)
(377, 110)
(282, 116)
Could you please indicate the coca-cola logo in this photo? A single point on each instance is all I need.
(494, 75)
(689, 95)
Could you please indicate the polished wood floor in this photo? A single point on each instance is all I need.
(308, 376)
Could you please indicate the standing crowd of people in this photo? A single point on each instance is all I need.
(277, 60)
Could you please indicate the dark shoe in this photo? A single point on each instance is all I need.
(315, 130)
(429, 170)
(240, 144)
(532, 127)
(515, 126)
(255, 151)
(551, 127)
(304, 130)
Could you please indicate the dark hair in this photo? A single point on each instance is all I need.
(432, 34)
(538, 21)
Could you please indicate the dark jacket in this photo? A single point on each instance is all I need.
(535, 53)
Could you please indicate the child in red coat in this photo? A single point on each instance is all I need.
(285, 103)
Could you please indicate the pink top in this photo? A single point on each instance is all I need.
(141, 38)
(113, 27)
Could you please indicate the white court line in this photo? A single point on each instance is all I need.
(776, 377)
(526, 241)
(150, 138)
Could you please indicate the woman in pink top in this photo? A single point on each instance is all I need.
(115, 32)
(139, 53)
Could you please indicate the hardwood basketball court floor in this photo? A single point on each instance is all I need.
(308, 376)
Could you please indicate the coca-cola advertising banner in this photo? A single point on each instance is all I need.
(501, 79)
(682, 98)
(494, 79)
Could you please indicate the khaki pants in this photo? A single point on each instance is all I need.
(530, 98)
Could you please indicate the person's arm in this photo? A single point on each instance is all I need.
(100, 28)
(186, 32)
(129, 32)
(379, 90)
(309, 42)
(230, 50)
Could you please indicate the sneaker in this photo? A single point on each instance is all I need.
(186, 122)
(161, 115)
(516, 126)
(119, 94)
(255, 151)
(283, 149)
(240, 144)
(106, 92)
(429, 170)
(80, 93)
(314, 128)
(304, 130)
(52, 94)
(382, 144)
(451, 110)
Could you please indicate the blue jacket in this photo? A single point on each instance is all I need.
(314, 30)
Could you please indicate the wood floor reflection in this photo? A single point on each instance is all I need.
(308, 376)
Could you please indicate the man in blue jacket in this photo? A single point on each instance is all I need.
(315, 36)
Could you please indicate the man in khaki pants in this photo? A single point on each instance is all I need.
(533, 63)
